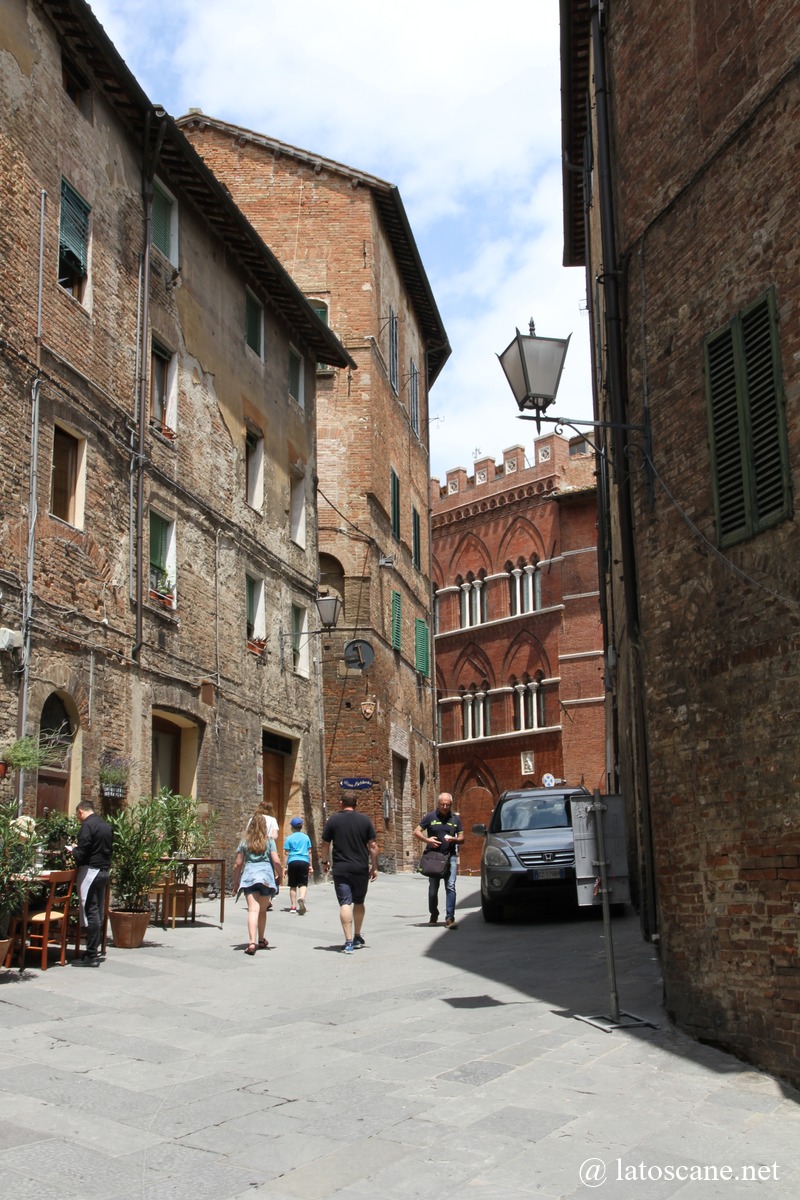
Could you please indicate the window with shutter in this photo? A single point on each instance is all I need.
(296, 381)
(254, 324)
(416, 539)
(413, 398)
(421, 647)
(397, 620)
(394, 361)
(747, 425)
(73, 241)
(162, 221)
(394, 481)
(162, 558)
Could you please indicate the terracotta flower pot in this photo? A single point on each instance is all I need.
(128, 928)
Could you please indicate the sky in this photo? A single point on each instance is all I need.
(454, 101)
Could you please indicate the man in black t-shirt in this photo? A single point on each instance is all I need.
(355, 863)
(442, 830)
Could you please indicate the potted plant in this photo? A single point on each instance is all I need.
(32, 751)
(186, 835)
(54, 832)
(137, 864)
(113, 777)
(161, 587)
(18, 869)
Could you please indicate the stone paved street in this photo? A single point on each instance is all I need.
(429, 1064)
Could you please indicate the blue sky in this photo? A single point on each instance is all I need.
(456, 102)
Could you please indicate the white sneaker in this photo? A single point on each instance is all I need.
(293, 910)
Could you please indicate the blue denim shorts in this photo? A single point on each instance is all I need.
(258, 889)
(351, 889)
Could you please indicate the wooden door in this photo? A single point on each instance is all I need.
(52, 792)
(274, 790)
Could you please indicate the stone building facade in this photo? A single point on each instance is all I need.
(519, 652)
(681, 209)
(344, 237)
(158, 549)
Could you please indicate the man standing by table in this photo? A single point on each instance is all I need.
(355, 864)
(441, 830)
(92, 855)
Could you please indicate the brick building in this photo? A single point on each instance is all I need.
(681, 209)
(158, 370)
(519, 653)
(344, 237)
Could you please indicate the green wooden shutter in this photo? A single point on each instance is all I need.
(416, 539)
(422, 647)
(162, 221)
(747, 426)
(395, 502)
(253, 312)
(74, 229)
(397, 620)
(250, 587)
(767, 428)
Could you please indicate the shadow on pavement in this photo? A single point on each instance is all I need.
(557, 955)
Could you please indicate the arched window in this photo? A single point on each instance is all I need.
(525, 586)
(473, 599)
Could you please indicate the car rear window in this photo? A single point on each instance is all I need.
(531, 812)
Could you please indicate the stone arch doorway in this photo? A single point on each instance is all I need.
(58, 782)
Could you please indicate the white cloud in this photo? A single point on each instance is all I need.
(456, 102)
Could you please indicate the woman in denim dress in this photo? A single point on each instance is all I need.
(257, 873)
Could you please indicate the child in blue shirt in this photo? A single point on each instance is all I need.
(297, 848)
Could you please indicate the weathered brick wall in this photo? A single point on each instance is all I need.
(84, 626)
(706, 114)
(548, 511)
(324, 226)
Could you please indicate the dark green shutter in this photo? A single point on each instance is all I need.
(162, 221)
(422, 647)
(395, 490)
(253, 323)
(394, 372)
(416, 539)
(767, 442)
(747, 424)
(397, 620)
(74, 229)
(250, 587)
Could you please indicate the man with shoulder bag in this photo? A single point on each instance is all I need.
(442, 833)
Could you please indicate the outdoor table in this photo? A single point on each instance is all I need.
(194, 863)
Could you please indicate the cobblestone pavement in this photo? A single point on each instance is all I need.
(431, 1063)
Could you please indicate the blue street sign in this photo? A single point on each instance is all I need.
(356, 785)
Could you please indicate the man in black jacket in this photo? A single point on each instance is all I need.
(442, 830)
(92, 855)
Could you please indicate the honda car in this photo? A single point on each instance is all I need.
(528, 853)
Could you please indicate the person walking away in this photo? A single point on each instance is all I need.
(297, 848)
(267, 810)
(354, 865)
(442, 830)
(92, 855)
(256, 873)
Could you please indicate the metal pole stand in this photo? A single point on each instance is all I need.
(616, 1019)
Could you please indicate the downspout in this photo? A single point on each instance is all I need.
(27, 602)
(149, 163)
(618, 408)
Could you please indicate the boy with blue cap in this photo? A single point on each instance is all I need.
(297, 848)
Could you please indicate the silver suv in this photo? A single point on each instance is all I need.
(529, 852)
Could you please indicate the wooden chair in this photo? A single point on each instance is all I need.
(39, 932)
(172, 891)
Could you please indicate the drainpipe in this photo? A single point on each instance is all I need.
(618, 407)
(149, 163)
(27, 601)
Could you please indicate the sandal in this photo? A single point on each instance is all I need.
(251, 949)
(262, 943)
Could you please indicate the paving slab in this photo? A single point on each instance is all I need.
(429, 1064)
